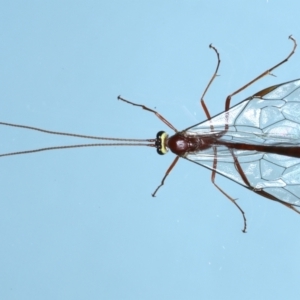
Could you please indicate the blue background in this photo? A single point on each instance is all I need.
(81, 224)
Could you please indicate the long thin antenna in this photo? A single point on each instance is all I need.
(74, 134)
(73, 146)
(127, 142)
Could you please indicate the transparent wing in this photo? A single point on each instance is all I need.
(270, 117)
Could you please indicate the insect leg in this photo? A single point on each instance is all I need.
(213, 177)
(167, 173)
(215, 162)
(209, 83)
(151, 110)
(228, 99)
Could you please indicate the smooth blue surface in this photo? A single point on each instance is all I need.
(81, 224)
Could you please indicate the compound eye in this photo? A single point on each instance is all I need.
(161, 143)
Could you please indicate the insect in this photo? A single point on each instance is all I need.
(255, 143)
